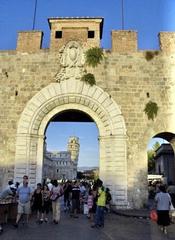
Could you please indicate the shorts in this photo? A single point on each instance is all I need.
(24, 208)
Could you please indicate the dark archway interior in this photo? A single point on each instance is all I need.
(165, 135)
(72, 116)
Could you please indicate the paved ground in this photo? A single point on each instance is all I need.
(116, 228)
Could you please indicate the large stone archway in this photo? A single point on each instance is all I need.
(70, 94)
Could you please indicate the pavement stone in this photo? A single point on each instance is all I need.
(116, 228)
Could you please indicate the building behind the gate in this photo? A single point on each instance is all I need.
(165, 162)
(62, 165)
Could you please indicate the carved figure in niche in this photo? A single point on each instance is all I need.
(72, 60)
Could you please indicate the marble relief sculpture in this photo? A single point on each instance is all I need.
(72, 61)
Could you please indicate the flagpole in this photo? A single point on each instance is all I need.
(122, 10)
(34, 15)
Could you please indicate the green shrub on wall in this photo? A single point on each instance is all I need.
(149, 55)
(88, 78)
(94, 56)
(151, 110)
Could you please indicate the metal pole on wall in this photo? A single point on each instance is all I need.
(34, 15)
(122, 9)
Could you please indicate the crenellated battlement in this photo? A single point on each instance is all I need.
(29, 41)
(167, 41)
(88, 31)
(124, 41)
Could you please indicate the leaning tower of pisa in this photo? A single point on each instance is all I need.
(73, 147)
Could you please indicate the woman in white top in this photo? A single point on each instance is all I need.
(163, 201)
(56, 193)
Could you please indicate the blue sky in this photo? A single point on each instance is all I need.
(57, 138)
(147, 17)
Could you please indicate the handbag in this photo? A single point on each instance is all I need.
(153, 215)
(172, 213)
(171, 207)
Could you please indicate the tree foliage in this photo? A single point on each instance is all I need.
(151, 155)
(156, 146)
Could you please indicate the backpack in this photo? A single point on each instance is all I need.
(108, 197)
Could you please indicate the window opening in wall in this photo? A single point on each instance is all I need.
(58, 34)
(91, 34)
(147, 94)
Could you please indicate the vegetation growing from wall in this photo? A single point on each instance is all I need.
(93, 57)
(149, 55)
(151, 110)
(88, 78)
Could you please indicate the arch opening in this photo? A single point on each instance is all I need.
(71, 148)
(161, 161)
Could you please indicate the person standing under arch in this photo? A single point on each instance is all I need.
(37, 202)
(101, 203)
(24, 194)
(56, 193)
(8, 192)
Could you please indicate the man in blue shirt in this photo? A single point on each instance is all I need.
(24, 194)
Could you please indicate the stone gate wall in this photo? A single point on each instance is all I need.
(129, 76)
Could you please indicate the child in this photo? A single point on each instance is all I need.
(37, 201)
(45, 203)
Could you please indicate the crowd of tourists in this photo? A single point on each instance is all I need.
(75, 197)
